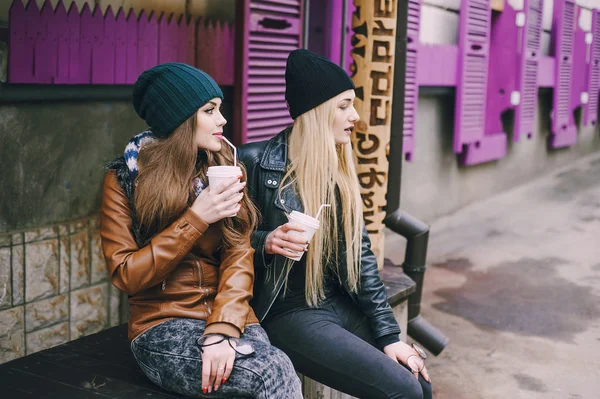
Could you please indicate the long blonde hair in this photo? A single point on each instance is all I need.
(317, 165)
(164, 189)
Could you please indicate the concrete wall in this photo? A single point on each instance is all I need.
(434, 184)
(52, 158)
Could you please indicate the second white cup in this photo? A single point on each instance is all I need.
(310, 225)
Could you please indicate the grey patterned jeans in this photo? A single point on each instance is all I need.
(170, 357)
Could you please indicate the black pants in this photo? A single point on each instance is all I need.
(333, 345)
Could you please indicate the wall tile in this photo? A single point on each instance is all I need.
(41, 270)
(12, 334)
(18, 270)
(4, 240)
(99, 271)
(5, 280)
(89, 310)
(80, 260)
(65, 264)
(114, 306)
(43, 233)
(47, 337)
(46, 312)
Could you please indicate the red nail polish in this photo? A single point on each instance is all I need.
(224, 380)
(204, 389)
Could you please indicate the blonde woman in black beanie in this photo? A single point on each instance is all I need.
(181, 249)
(328, 311)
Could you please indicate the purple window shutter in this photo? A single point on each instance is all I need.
(230, 54)
(88, 33)
(185, 43)
(528, 68)
(74, 26)
(132, 47)
(21, 42)
(218, 61)
(271, 30)
(147, 42)
(506, 47)
(46, 49)
(168, 35)
(411, 86)
(204, 38)
(348, 56)
(581, 51)
(62, 60)
(471, 87)
(593, 72)
(120, 48)
(103, 53)
(564, 133)
(513, 67)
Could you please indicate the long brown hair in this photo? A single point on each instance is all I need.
(163, 189)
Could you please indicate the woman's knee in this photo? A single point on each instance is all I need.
(404, 388)
(412, 390)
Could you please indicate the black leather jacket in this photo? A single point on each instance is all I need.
(266, 162)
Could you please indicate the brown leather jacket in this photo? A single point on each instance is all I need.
(183, 272)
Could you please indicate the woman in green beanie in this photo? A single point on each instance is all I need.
(181, 249)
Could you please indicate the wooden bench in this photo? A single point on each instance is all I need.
(101, 365)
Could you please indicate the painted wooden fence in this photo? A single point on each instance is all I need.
(60, 46)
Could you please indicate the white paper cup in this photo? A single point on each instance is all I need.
(310, 225)
(219, 174)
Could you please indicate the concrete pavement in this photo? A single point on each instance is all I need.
(514, 281)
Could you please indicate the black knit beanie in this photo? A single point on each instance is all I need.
(166, 95)
(310, 80)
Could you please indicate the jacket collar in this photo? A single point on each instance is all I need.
(274, 159)
(276, 152)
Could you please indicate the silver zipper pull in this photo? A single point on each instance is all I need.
(164, 284)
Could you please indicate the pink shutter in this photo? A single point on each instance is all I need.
(593, 72)
(46, 48)
(528, 70)
(411, 86)
(121, 47)
(471, 87)
(103, 52)
(86, 43)
(581, 51)
(64, 42)
(564, 133)
(132, 47)
(147, 42)
(21, 42)
(74, 26)
(168, 35)
(271, 30)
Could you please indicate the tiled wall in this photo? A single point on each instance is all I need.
(53, 287)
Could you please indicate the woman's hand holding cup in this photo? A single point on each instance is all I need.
(281, 242)
(216, 203)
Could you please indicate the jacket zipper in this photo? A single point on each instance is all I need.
(164, 284)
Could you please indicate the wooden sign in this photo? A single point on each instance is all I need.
(374, 42)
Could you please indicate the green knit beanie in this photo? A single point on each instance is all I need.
(166, 95)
